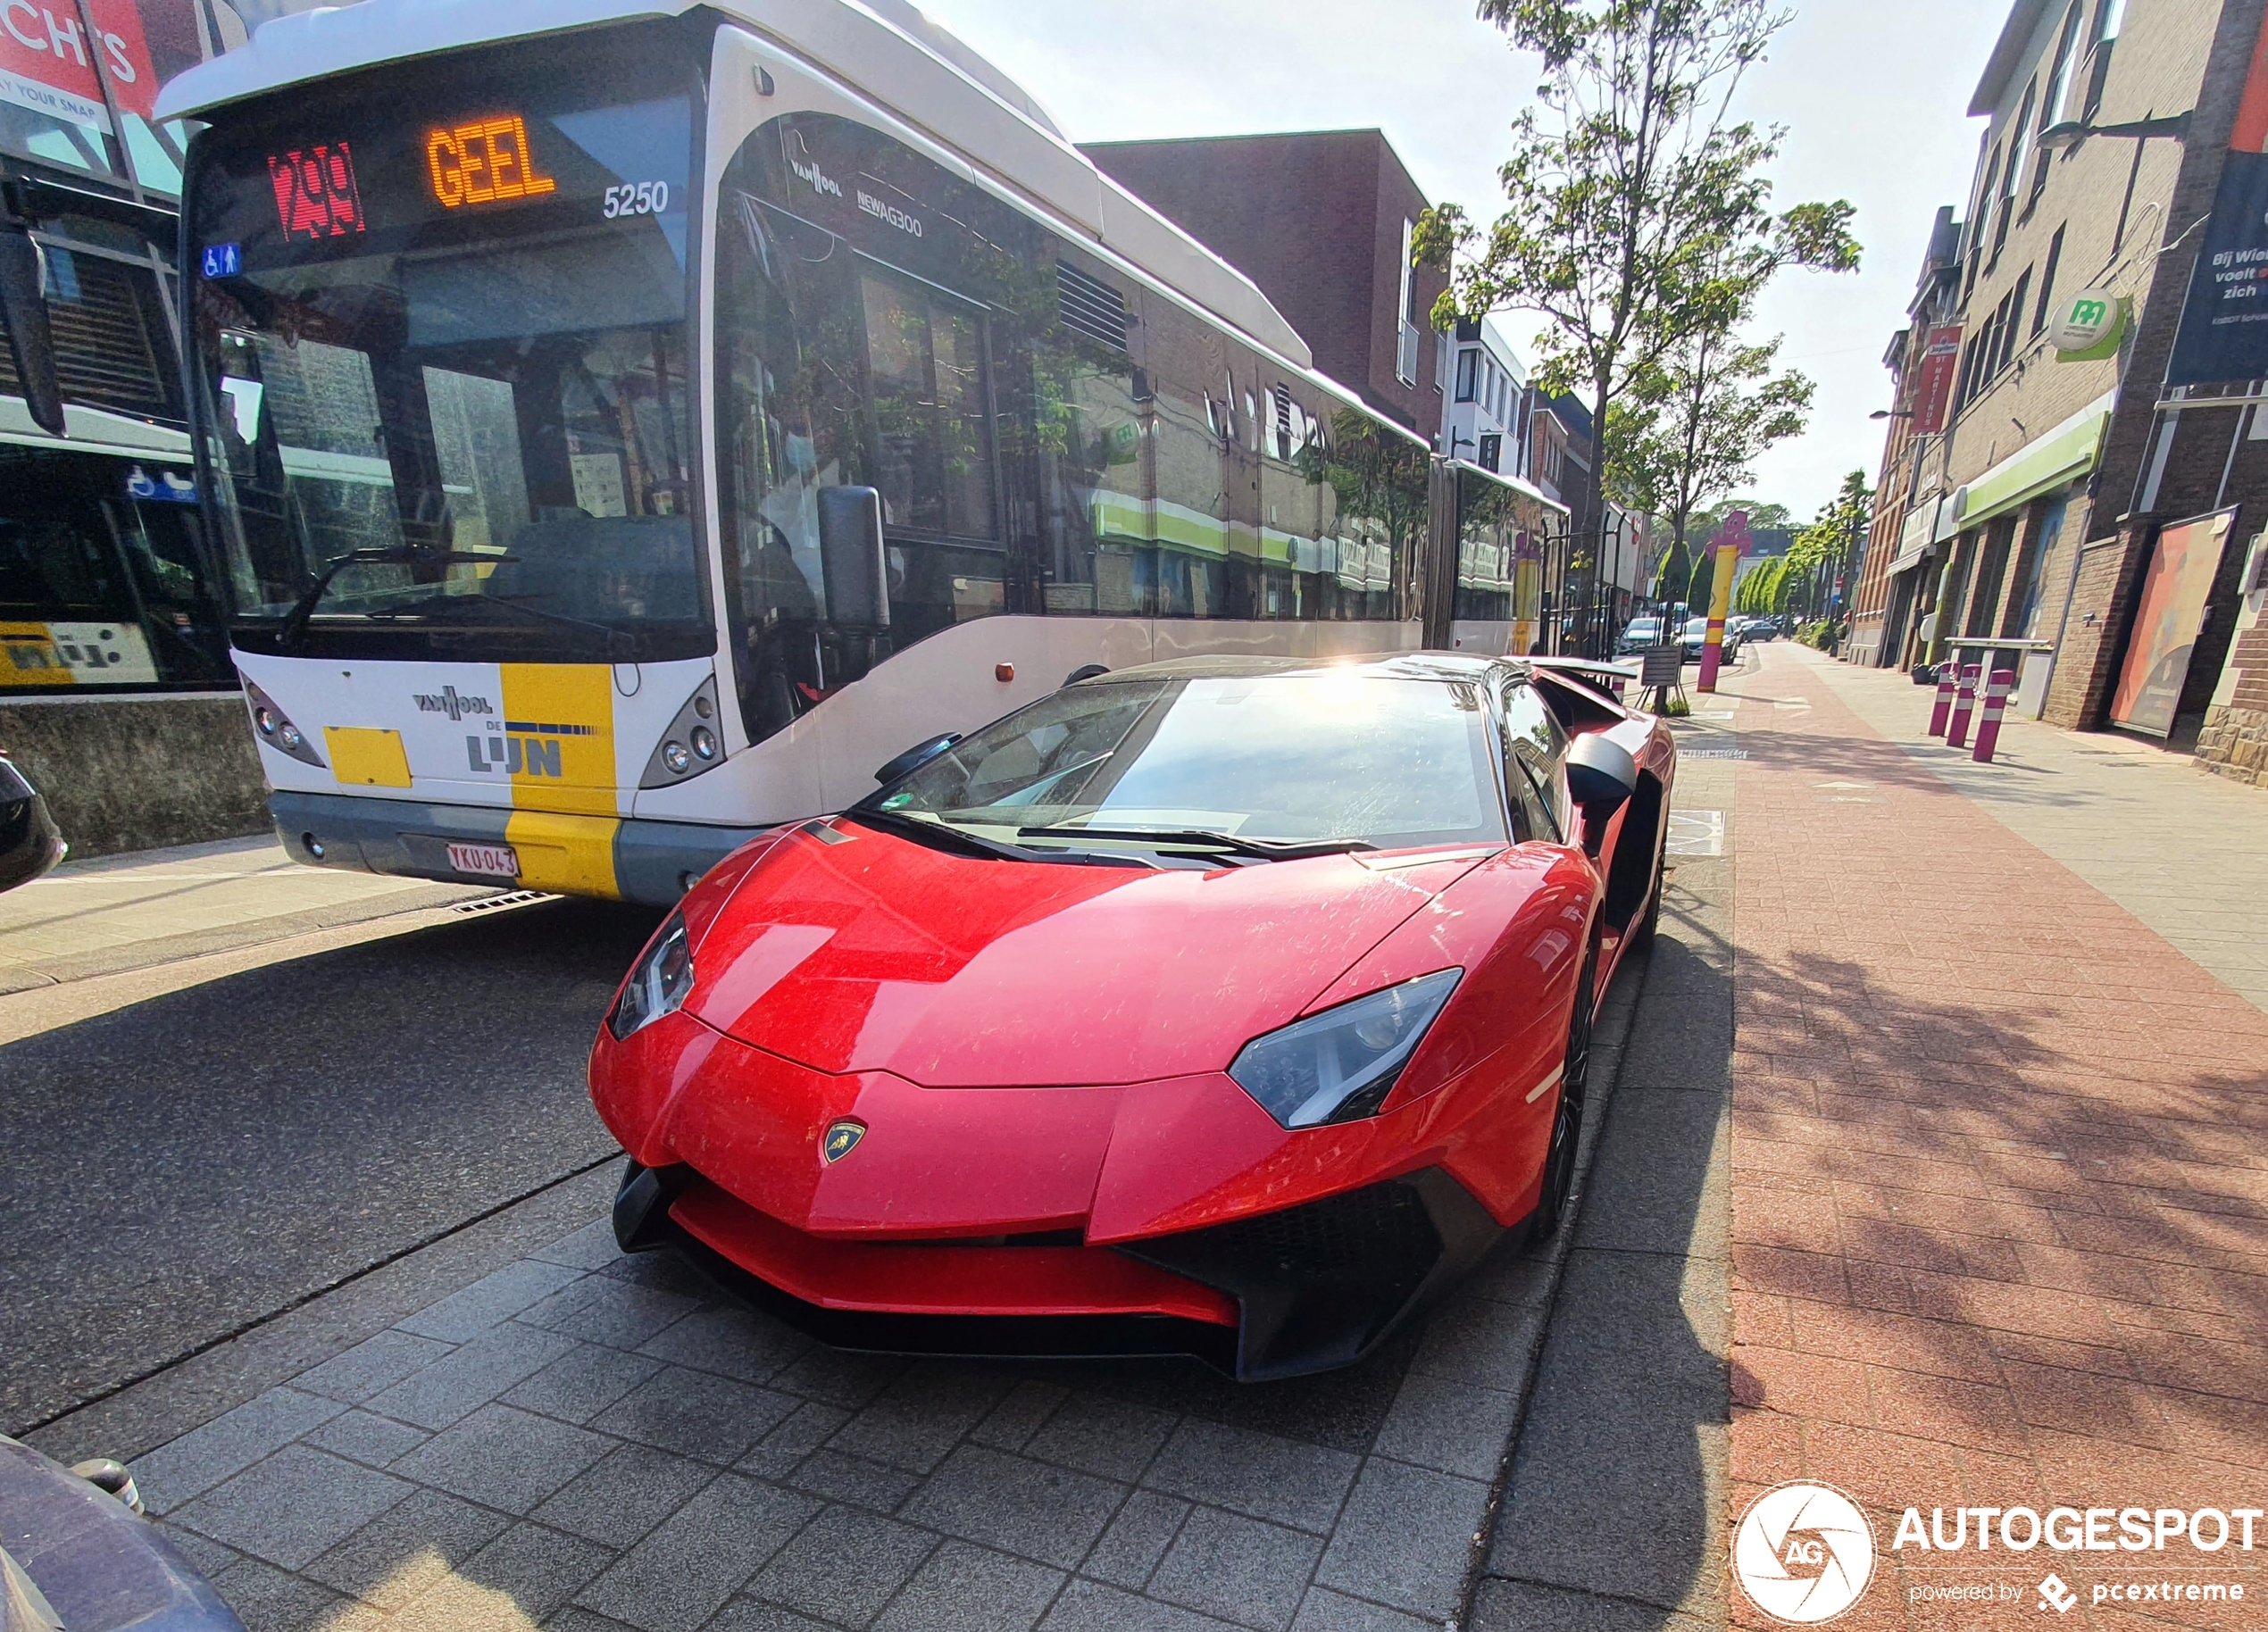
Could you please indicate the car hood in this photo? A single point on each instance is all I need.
(847, 949)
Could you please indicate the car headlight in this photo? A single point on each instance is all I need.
(1337, 1066)
(659, 983)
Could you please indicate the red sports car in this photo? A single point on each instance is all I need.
(1231, 1007)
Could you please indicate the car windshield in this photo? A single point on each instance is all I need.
(1284, 759)
(443, 365)
(1644, 629)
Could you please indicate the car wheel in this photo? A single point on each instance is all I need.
(1567, 1119)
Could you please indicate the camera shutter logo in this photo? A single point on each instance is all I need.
(1803, 1552)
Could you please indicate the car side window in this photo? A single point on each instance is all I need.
(1535, 743)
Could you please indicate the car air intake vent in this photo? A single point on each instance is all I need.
(1090, 307)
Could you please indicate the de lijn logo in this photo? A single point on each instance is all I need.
(1803, 1552)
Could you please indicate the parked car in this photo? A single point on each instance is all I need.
(76, 1553)
(30, 843)
(1225, 1006)
(1640, 635)
(1696, 635)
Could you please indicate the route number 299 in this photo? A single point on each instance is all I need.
(643, 198)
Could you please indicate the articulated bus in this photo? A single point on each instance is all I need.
(623, 427)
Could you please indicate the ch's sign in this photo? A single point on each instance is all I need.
(2088, 325)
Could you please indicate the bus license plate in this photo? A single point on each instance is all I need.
(485, 860)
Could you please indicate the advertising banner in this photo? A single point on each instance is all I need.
(47, 63)
(2167, 623)
(1933, 389)
(2224, 325)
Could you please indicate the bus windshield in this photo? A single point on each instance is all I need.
(441, 336)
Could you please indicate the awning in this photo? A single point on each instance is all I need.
(2048, 462)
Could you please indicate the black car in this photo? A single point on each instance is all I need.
(30, 843)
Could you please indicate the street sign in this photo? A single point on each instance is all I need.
(1661, 666)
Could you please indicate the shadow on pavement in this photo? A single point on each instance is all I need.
(1611, 1517)
(179, 1168)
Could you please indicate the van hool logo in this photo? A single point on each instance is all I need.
(820, 181)
(1804, 1552)
(450, 703)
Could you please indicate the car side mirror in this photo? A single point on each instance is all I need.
(1601, 776)
(23, 312)
(851, 558)
(915, 757)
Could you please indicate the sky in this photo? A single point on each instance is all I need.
(1874, 97)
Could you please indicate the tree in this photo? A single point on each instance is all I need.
(1640, 217)
(1695, 422)
(1827, 549)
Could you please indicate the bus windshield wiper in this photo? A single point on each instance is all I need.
(1268, 849)
(294, 632)
(945, 836)
(618, 642)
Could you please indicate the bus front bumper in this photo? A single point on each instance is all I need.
(612, 858)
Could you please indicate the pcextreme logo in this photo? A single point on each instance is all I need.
(1803, 1552)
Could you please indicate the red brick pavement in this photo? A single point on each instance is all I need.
(2000, 1178)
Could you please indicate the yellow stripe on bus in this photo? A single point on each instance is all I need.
(566, 855)
(560, 719)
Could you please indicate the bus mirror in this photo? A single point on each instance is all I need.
(851, 557)
(23, 310)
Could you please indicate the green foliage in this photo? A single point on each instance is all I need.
(1763, 592)
(1640, 225)
(1695, 421)
(1819, 634)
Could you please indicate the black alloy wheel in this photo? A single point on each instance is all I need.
(1567, 1121)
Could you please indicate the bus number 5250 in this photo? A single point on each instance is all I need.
(643, 198)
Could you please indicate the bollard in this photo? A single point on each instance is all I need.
(1945, 700)
(1964, 703)
(2004, 681)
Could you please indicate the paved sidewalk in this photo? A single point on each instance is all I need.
(2185, 853)
(124, 912)
(2000, 1225)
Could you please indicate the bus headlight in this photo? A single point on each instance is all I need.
(276, 729)
(691, 746)
(659, 983)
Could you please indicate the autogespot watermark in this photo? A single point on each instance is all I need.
(1805, 1554)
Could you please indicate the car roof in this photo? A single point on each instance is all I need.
(1441, 667)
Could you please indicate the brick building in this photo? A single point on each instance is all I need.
(1894, 587)
(2044, 512)
(1321, 222)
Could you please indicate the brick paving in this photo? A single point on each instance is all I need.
(588, 1442)
(2000, 1171)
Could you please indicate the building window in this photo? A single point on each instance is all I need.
(2018, 142)
(2047, 281)
(1982, 216)
(1468, 373)
(2016, 298)
(2059, 87)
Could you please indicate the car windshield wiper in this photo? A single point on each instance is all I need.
(1268, 849)
(294, 632)
(945, 836)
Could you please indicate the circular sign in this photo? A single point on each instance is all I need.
(1803, 1552)
(2087, 321)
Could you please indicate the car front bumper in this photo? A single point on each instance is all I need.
(1269, 1296)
